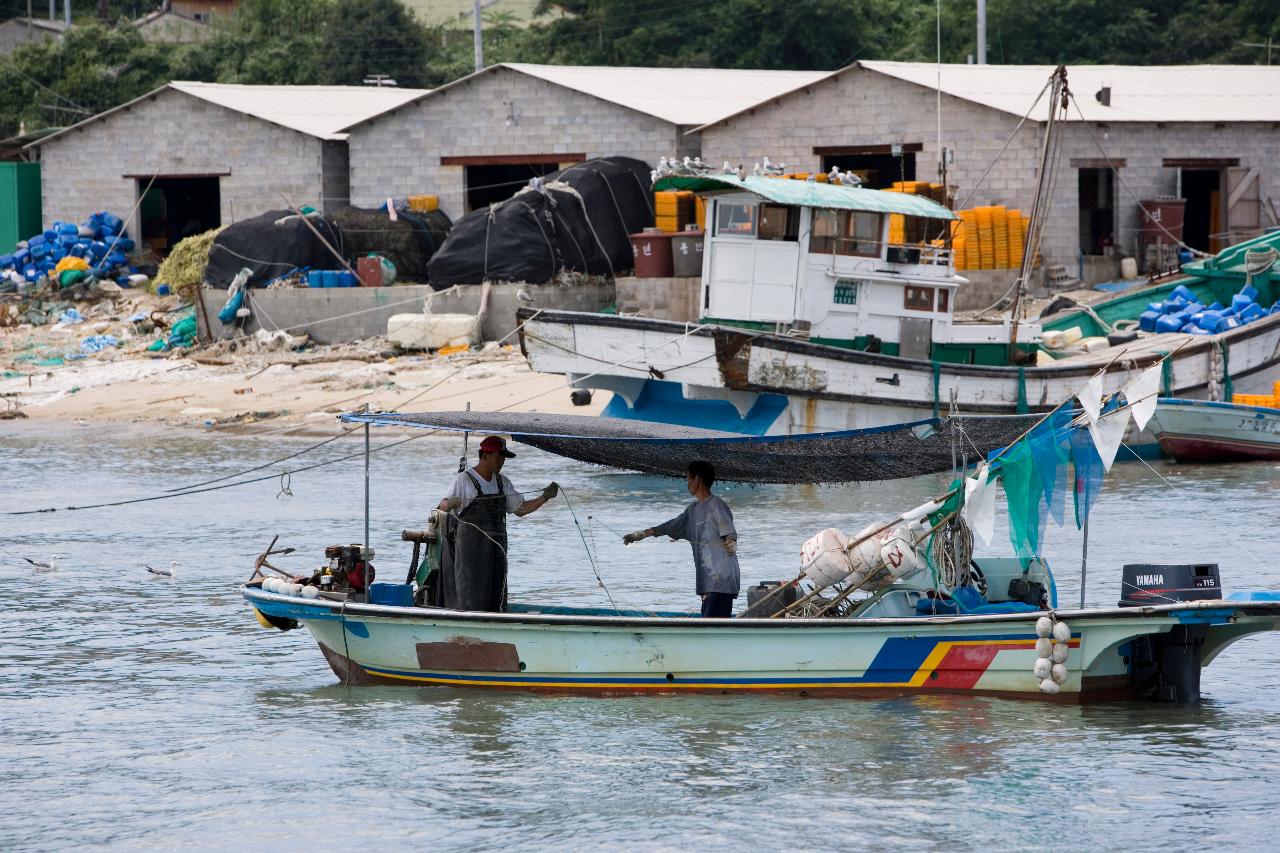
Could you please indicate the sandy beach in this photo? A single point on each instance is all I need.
(250, 387)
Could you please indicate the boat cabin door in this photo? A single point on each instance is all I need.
(753, 263)
(915, 338)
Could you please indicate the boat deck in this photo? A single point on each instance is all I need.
(1152, 346)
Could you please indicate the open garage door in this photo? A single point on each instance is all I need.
(174, 207)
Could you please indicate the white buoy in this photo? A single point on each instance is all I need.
(310, 592)
(1061, 632)
(269, 584)
(295, 589)
(1044, 626)
(1044, 647)
(1058, 673)
(1049, 687)
(1043, 669)
(1061, 651)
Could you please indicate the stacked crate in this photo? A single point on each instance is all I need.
(674, 209)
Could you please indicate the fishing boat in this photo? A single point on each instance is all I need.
(1202, 431)
(804, 331)
(902, 608)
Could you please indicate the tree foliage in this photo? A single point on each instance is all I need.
(342, 41)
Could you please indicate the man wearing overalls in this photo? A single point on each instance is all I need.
(474, 558)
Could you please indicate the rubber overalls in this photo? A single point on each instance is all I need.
(474, 565)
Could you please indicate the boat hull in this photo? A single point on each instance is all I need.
(1195, 431)
(987, 655)
(769, 384)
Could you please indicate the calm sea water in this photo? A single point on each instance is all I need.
(142, 713)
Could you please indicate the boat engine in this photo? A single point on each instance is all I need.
(1166, 667)
(346, 569)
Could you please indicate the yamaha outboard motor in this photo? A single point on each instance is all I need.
(1166, 667)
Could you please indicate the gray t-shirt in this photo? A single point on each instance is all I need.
(703, 523)
(463, 488)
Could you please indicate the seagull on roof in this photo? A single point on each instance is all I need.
(755, 170)
(50, 565)
(727, 168)
(741, 173)
(654, 175)
(170, 572)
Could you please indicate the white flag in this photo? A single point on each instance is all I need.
(1090, 397)
(980, 505)
(1141, 395)
(1108, 432)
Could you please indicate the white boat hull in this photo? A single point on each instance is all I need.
(1197, 431)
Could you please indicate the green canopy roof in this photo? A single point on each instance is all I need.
(811, 194)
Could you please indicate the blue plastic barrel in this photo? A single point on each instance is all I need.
(347, 279)
(315, 278)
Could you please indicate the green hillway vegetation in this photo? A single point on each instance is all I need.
(98, 66)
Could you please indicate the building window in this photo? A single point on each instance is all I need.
(917, 298)
(735, 220)
(846, 292)
(779, 223)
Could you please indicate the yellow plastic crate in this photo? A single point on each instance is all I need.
(897, 229)
(424, 203)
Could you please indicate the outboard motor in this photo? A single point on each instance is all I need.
(1166, 667)
(346, 567)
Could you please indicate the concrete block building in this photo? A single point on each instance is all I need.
(479, 139)
(192, 156)
(1207, 134)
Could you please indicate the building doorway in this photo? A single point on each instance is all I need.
(1202, 222)
(878, 170)
(174, 208)
(488, 185)
(1097, 202)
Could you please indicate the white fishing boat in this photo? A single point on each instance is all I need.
(802, 332)
(1201, 431)
(900, 609)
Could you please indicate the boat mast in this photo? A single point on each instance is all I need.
(1058, 100)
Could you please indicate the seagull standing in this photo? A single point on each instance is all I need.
(523, 295)
(42, 566)
(170, 572)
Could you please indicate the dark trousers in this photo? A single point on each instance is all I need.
(717, 605)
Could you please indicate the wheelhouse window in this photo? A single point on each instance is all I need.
(779, 223)
(845, 232)
(944, 299)
(915, 298)
(735, 219)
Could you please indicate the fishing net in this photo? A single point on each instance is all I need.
(879, 453)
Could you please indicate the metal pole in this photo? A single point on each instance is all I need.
(66, 11)
(366, 507)
(1084, 560)
(478, 35)
(982, 32)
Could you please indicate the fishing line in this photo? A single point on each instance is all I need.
(590, 556)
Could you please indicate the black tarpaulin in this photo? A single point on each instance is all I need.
(408, 241)
(578, 219)
(878, 453)
(271, 245)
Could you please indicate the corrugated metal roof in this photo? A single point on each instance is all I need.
(811, 194)
(686, 96)
(320, 111)
(1139, 93)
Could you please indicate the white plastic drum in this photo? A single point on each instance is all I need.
(824, 558)
(899, 554)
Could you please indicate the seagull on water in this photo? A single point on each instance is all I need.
(170, 572)
(45, 566)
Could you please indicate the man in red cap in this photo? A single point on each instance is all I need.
(474, 562)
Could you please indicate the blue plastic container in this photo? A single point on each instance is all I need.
(125, 245)
(37, 240)
(1252, 312)
(67, 228)
(1147, 320)
(49, 235)
(6, 261)
(1239, 302)
(112, 224)
(315, 278)
(39, 250)
(1170, 323)
(391, 594)
(1184, 292)
(347, 279)
(1250, 291)
(1196, 330)
(1226, 323)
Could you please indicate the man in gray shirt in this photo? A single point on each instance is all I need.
(707, 524)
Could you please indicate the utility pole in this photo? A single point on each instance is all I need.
(982, 32)
(1269, 45)
(66, 12)
(479, 35)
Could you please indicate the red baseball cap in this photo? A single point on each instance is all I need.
(493, 444)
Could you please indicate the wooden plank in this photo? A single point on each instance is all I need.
(512, 159)
(1200, 162)
(1242, 187)
(837, 150)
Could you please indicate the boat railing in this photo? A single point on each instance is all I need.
(898, 253)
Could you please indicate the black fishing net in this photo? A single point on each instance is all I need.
(408, 241)
(271, 245)
(879, 453)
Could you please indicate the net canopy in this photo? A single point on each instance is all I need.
(878, 453)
